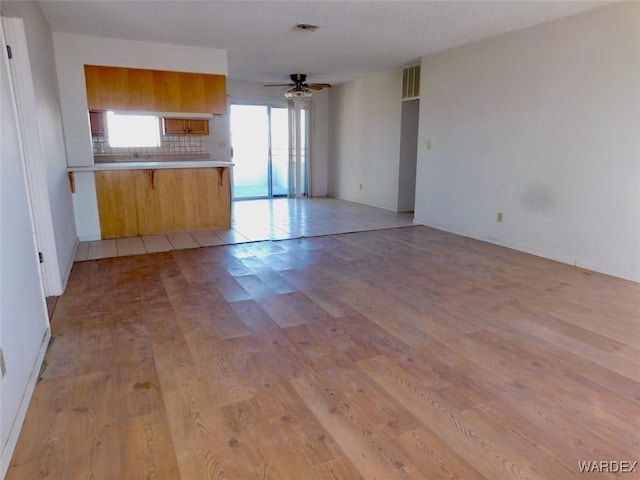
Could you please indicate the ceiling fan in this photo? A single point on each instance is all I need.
(298, 89)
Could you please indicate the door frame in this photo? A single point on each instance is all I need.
(37, 186)
(19, 413)
(269, 104)
(296, 176)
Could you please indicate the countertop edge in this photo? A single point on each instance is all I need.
(150, 165)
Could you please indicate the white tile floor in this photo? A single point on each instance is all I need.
(258, 220)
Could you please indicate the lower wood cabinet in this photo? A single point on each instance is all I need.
(116, 192)
(144, 202)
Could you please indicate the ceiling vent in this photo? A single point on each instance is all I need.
(306, 27)
(411, 82)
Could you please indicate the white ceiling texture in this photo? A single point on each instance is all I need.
(354, 38)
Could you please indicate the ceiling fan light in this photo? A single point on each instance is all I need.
(295, 94)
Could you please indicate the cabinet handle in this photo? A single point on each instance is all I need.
(152, 177)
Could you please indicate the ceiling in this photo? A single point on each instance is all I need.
(355, 38)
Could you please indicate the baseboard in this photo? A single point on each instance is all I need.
(582, 264)
(14, 433)
(67, 272)
(346, 199)
(89, 238)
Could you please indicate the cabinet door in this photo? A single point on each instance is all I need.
(166, 87)
(107, 87)
(96, 119)
(141, 89)
(149, 203)
(207, 196)
(174, 126)
(192, 93)
(116, 192)
(202, 93)
(198, 126)
(215, 94)
(185, 126)
(161, 201)
(184, 199)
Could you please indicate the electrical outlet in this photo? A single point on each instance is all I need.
(499, 217)
(360, 186)
(428, 144)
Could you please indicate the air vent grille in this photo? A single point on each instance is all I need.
(411, 82)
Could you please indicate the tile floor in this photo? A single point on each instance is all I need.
(259, 220)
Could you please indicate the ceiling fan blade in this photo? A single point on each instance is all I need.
(299, 84)
(318, 86)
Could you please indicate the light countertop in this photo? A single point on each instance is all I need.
(147, 165)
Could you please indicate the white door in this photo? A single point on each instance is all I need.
(37, 187)
(24, 326)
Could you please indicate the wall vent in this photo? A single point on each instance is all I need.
(411, 82)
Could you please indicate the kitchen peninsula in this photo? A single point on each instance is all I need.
(154, 135)
(147, 197)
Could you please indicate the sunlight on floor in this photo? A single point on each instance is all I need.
(259, 220)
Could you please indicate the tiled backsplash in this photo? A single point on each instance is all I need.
(169, 145)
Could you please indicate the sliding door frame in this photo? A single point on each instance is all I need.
(269, 104)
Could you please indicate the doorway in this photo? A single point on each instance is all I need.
(261, 146)
(408, 155)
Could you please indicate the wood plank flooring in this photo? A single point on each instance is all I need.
(407, 353)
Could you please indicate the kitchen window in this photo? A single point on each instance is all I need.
(131, 130)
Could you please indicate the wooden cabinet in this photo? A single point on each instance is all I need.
(116, 88)
(107, 88)
(144, 202)
(97, 121)
(185, 126)
(116, 193)
(140, 90)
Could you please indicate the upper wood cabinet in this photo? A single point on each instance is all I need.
(185, 126)
(116, 88)
(96, 120)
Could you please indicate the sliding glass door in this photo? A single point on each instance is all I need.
(250, 144)
(279, 151)
(261, 147)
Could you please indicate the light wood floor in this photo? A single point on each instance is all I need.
(258, 220)
(406, 353)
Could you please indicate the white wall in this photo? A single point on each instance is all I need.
(72, 52)
(48, 114)
(243, 92)
(542, 124)
(320, 143)
(23, 315)
(364, 139)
